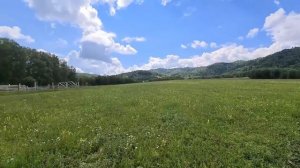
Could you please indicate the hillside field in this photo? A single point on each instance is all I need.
(189, 123)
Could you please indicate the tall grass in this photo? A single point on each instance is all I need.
(200, 123)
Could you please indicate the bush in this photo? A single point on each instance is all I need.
(28, 81)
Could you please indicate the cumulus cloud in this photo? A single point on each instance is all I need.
(106, 44)
(283, 29)
(96, 43)
(227, 53)
(77, 12)
(14, 33)
(115, 5)
(252, 33)
(94, 66)
(171, 61)
(133, 39)
(199, 44)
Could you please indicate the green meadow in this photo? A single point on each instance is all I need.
(189, 123)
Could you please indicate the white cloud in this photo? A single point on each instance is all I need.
(14, 33)
(183, 46)
(277, 2)
(102, 43)
(77, 12)
(165, 2)
(96, 43)
(228, 53)
(115, 5)
(252, 33)
(133, 39)
(283, 28)
(123, 3)
(124, 50)
(198, 44)
(94, 66)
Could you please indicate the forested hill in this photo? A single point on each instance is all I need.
(284, 64)
(24, 65)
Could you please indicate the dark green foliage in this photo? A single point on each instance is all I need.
(92, 80)
(182, 72)
(18, 63)
(140, 75)
(112, 80)
(274, 73)
(28, 81)
(131, 77)
(289, 58)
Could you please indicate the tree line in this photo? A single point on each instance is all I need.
(24, 65)
(274, 73)
(104, 80)
(131, 77)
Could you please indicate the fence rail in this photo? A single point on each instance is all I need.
(67, 84)
(11, 88)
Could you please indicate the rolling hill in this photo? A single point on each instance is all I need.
(284, 63)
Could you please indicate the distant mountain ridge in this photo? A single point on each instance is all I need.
(286, 61)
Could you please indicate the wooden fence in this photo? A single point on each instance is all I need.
(61, 85)
(22, 88)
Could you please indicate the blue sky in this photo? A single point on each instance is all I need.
(115, 36)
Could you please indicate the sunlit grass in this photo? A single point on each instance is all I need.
(200, 123)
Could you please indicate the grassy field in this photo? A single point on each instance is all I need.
(197, 123)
